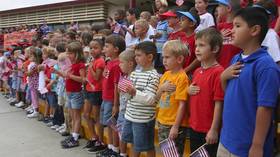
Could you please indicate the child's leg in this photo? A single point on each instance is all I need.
(97, 125)
(34, 99)
(89, 121)
(76, 123)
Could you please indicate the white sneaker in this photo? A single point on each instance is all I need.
(28, 108)
(60, 128)
(20, 104)
(35, 114)
(12, 99)
(54, 127)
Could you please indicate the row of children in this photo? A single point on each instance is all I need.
(127, 87)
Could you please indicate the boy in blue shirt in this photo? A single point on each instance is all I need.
(251, 87)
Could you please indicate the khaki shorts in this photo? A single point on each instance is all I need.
(223, 152)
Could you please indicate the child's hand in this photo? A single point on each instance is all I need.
(168, 87)
(173, 132)
(115, 110)
(212, 136)
(131, 90)
(226, 32)
(193, 89)
(256, 151)
(232, 72)
(41, 67)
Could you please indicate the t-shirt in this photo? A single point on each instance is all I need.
(228, 49)
(71, 85)
(130, 40)
(33, 79)
(202, 104)
(169, 102)
(98, 63)
(25, 67)
(257, 85)
(146, 83)
(206, 21)
(190, 41)
(272, 42)
(178, 35)
(111, 75)
(164, 30)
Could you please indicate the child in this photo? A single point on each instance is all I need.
(140, 111)
(226, 11)
(127, 65)
(141, 32)
(189, 21)
(33, 79)
(131, 15)
(73, 83)
(206, 94)
(114, 45)
(93, 95)
(172, 121)
(251, 87)
(206, 19)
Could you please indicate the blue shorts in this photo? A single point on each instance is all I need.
(52, 99)
(95, 98)
(105, 111)
(141, 135)
(75, 100)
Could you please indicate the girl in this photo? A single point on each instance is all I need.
(93, 95)
(206, 19)
(33, 79)
(86, 38)
(73, 83)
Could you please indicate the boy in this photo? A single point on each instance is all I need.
(173, 95)
(250, 94)
(189, 21)
(140, 111)
(226, 11)
(141, 28)
(206, 94)
(114, 45)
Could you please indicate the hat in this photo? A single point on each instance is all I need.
(187, 14)
(223, 2)
(168, 14)
(259, 6)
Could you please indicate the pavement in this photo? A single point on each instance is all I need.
(23, 137)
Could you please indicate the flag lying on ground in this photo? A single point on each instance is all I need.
(200, 152)
(168, 148)
(179, 2)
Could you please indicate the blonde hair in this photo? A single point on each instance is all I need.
(176, 47)
(128, 55)
(49, 51)
(143, 23)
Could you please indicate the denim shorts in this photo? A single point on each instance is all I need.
(141, 135)
(105, 111)
(95, 98)
(75, 100)
(52, 99)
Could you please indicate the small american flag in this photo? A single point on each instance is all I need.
(179, 2)
(168, 148)
(117, 28)
(112, 122)
(124, 83)
(200, 152)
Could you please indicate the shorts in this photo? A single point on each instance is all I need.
(52, 99)
(95, 98)
(105, 111)
(61, 100)
(163, 134)
(75, 100)
(223, 152)
(141, 135)
(120, 123)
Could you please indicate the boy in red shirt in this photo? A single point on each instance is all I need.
(114, 45)
(189, 22)
(206, 94)
(226, 11)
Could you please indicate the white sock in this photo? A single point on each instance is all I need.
(116, 149)
(110, 146)
(123, 154)
(75, 135)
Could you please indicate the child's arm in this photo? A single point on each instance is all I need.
(179, 118)
(213, 134)
(263, 122)
(96, 74)
(232, 71)
(80, 78)
(116, 101)
(165, 87)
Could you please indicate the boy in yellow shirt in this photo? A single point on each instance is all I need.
(172, 95)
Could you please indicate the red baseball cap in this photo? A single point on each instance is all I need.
(168, 14)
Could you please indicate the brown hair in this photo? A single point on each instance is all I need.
(76, 48)
(116, 41)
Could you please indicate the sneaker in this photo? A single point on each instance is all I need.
(70, 143)
(107, 153)
(90, 144)
(54, 127)
(47, 120)
(40, 117)
(13, 103)
(97, 148)
(60, 128)
(28, 108)
(65, 140)
(30, 111)
(33, 115)
(19, 105)
(10, 99)
(50, 124)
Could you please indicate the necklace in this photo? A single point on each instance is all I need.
(203, 68)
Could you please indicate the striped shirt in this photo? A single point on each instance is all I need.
(138, 108)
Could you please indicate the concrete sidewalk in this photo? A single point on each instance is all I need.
(23, 137)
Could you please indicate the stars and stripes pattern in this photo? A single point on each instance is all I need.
(200, 152)
(168, 148)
